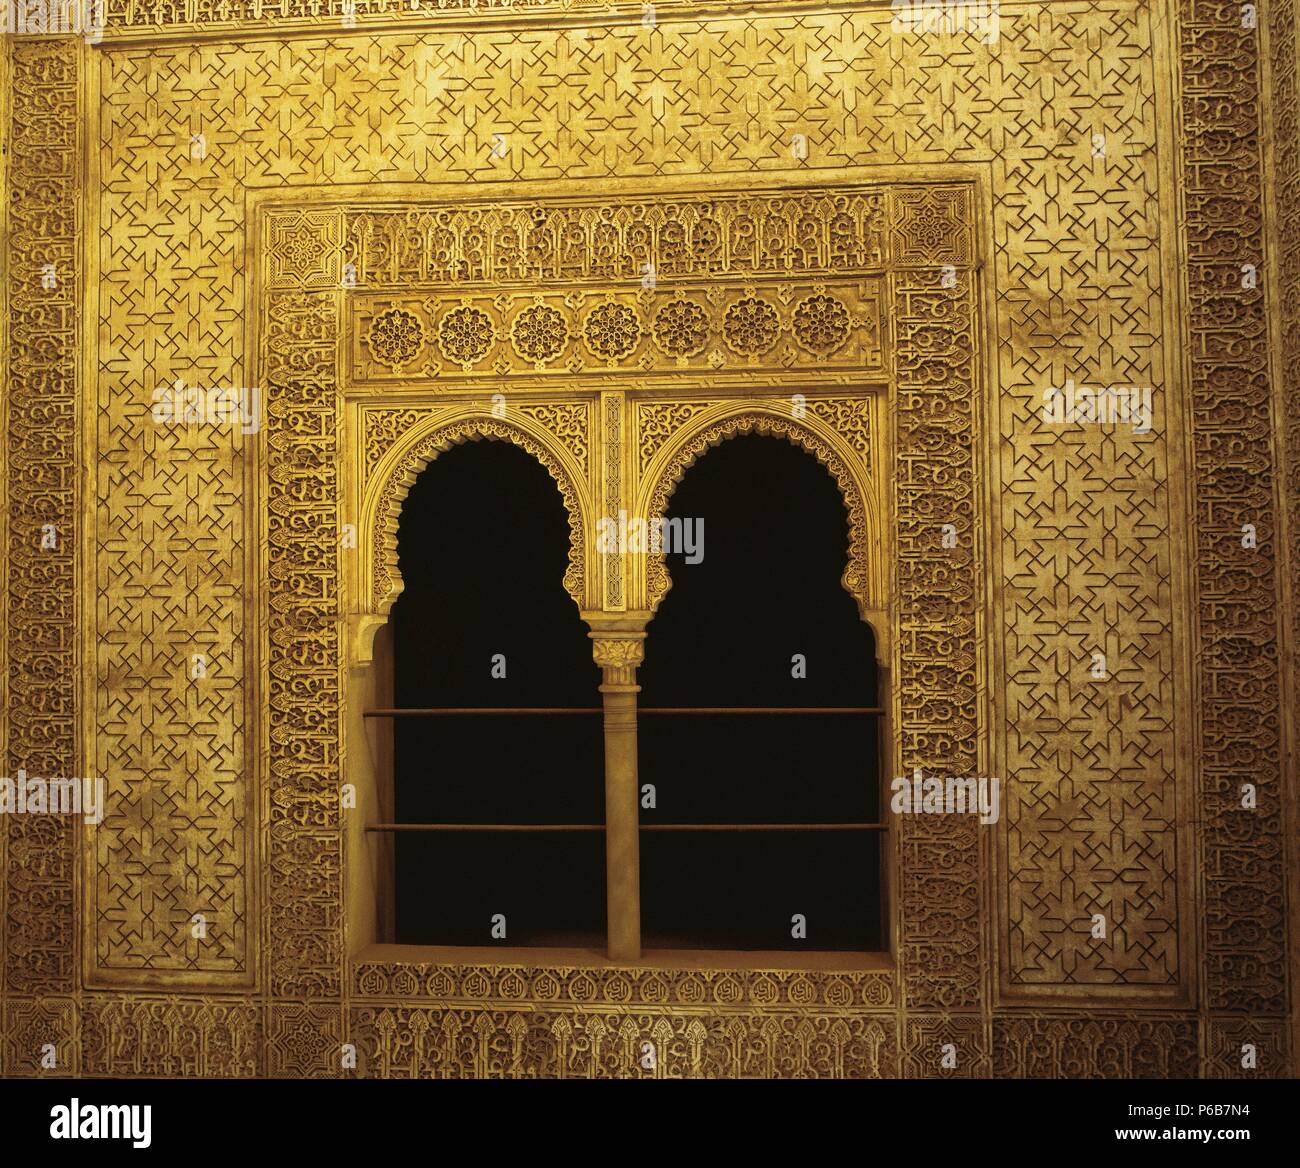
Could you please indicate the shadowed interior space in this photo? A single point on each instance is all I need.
(761, 621)
(775, 541)
(483, 545)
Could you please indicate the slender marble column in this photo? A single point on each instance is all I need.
(618, 658)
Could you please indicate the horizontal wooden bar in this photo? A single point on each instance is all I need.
(780, 710)
(457, 827)
(764, 827)
(480, 711)
(511, 827)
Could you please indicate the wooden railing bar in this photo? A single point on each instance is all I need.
(565, 827)
(547, 711)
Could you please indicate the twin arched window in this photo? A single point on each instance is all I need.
(758, 725)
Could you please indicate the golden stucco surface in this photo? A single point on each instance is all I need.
(381, 227)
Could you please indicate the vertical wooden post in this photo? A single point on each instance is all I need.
(618, 658)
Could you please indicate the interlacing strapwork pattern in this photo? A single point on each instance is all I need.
(1083, 565)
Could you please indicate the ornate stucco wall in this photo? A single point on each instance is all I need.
(198, 189)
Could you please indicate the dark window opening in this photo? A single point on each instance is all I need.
(483, 547)
(726, 635)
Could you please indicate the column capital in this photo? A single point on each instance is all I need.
(617, 644)
(618, 652)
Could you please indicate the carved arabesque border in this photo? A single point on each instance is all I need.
(1285, 108)
(304, 899)
(1234, 427)
(40, 584)
(938, 660)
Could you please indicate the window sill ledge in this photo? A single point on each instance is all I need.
(676, 960)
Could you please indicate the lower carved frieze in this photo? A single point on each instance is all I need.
(427, 1035)
(1134, 1047)
(626, 987)
(638, 1043)
(209, 1038)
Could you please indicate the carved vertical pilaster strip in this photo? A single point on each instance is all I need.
(940, 945)
(1285, 43)
(41, 435)
(5, 107)
(612, 433)
(305, 898)
(1236, 649)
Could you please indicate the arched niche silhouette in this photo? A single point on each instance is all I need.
(863, 577)
(382, 583)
